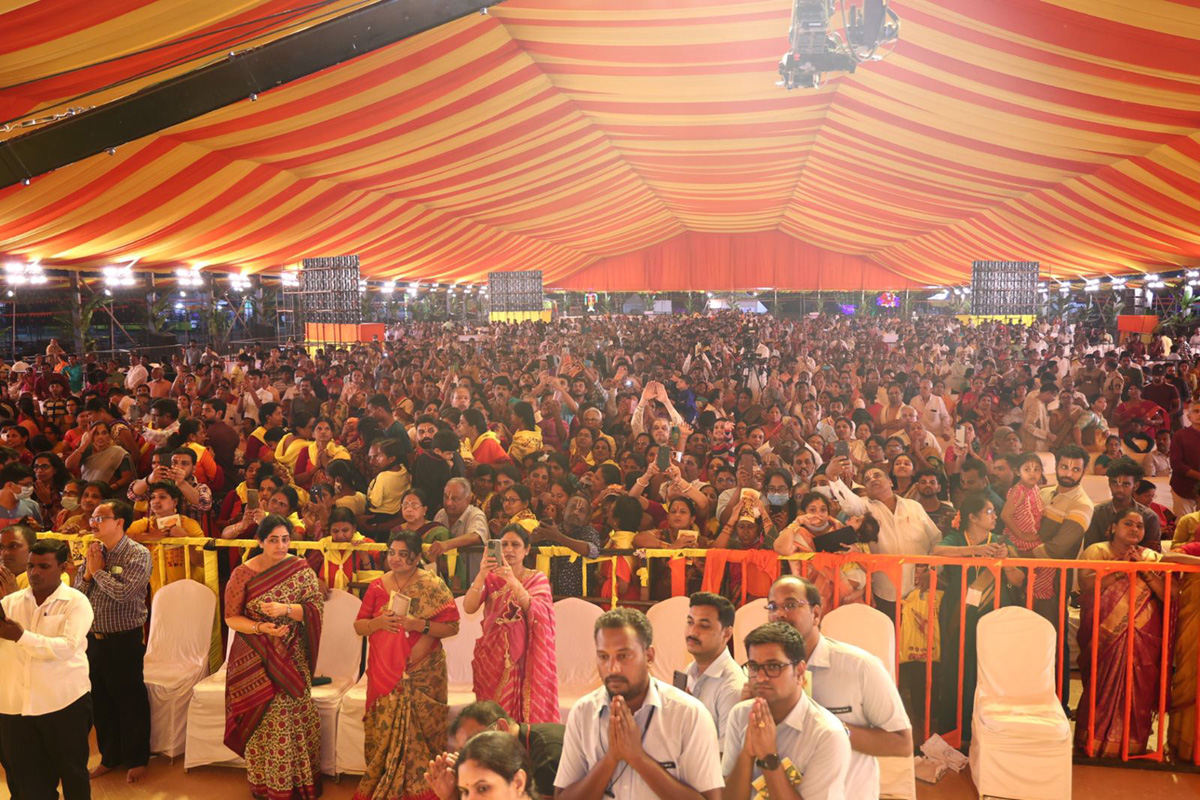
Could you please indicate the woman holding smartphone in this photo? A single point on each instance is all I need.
(515, 652)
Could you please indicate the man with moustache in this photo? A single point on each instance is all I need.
(849, 682)
(713, 677)
(636, 737)
(781, 737)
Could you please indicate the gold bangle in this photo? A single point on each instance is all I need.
(258, 628)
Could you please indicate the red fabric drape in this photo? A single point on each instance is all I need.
(718, 261)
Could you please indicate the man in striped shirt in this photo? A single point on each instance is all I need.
(114, 578)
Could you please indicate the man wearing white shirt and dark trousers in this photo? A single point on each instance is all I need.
(782, 742)
(636, 737)
(713, 677)
(45, 700)
(850, 683)
(115, 576)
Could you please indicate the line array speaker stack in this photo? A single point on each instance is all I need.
(1005, 288)
(515, 296)
(329, 290)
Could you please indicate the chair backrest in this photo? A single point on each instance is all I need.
(864, 627)
(460, 648)
(181, 623)
(669, 619)
(1016, 654)
(340, 653)
(575, 644)
(747, 618)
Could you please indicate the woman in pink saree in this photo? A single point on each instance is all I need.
(514, 662)
(1124, 544)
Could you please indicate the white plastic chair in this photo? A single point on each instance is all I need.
(181, 624)
(339, 657)
(1021, 739)
(872, 630)
(460, 651)
(669, 620)
(351, 733)
(575, 643)
(205, 742)
(747, 618)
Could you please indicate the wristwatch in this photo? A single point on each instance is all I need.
(768, 763)
(426, 628)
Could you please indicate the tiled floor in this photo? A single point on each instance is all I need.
(165, 781)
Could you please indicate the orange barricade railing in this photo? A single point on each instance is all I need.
(940, 572)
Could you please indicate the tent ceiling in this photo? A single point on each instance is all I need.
(587, 138)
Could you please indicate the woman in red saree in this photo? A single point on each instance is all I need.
(407, 687)
(1124, 544)
(273, 603)
(514, 662)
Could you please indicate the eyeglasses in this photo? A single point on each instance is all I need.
(787, 605)
(43, 466)
(99, 519)
(773, 669)
(513, 499)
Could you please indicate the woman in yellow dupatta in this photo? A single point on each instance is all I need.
(338, 568)
(288, 450)
(527, 436)
(313, 461)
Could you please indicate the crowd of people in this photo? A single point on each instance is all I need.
(464, 450)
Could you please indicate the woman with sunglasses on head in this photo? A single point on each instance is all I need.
(407, 683)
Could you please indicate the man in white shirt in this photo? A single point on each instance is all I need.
(713, 677)
(45, 693)
(850, 683)
(138, 373)
(904, 527)
(782, 742)
(932, 410)
(636, 737)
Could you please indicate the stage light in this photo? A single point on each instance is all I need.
(290, 278)
(18, 273)
(119, 277)
(189, 278)
(1091, 285)
(239, 282)
(388, 287)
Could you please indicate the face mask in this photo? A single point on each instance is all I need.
(777, 499)
(25, 493)
(70, 503)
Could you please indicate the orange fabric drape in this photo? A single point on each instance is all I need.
(702, 261)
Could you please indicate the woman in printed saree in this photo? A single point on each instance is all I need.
(1182, 729)
(406, 675)
(1124, 544)
(514, 662)
(274, 603)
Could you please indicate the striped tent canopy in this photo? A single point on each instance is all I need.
(629, 144)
